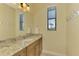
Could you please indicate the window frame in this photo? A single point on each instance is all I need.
(52, 8)
(21, 21)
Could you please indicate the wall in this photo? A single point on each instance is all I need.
(73, 31)
(27, 22)
(54, 42)
(7, 22)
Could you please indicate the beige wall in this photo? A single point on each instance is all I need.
(27, 22)
(65, 41)
(73, 31)
(7, 22)
(53, 41)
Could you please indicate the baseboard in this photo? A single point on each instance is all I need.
(50, 53)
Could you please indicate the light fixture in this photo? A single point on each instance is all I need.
(24, 7)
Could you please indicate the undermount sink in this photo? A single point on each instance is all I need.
(19, 40)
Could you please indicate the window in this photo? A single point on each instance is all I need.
(51, 18)
(21, 22)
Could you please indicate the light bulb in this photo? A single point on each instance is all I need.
(24, 5)
(28, 8)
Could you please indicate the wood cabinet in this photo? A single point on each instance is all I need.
(37, 50)
(21, 53)
(33, 49)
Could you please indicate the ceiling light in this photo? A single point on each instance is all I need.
(24, 7)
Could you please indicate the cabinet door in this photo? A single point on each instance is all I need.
(31, 50)
(37, 50)
(38, 47)
(21, 53)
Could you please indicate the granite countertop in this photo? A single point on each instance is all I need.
(11, 46)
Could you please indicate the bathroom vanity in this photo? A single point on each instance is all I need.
(22, 46)
(33, 49)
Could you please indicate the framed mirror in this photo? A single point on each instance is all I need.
(21, 21)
